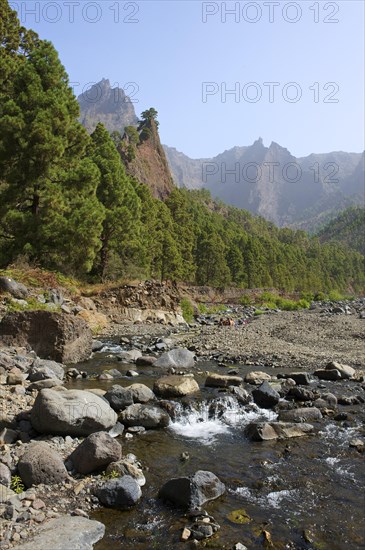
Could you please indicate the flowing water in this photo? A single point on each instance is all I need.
(306, 492)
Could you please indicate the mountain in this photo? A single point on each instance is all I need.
(347, 228)
(143, 156)
(102, 103)
(299, 192)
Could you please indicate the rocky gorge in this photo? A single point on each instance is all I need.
(250, 435)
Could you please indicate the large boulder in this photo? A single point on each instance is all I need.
(345, 371)
(266, 431)
(119, 493)
(71, 412)
(215, 380)
(17, 290)
(178, 358)
(65, 533)
(265, 396)
(147, 416)
(41, 464)
(175, 386)
(95, 452)
(194, 491)
(51, 335)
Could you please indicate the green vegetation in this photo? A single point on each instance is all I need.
(187, 310)
(68, 206)
(273, 301)
(111, 475)
(17, 484)
(347, 228)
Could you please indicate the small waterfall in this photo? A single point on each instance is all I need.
(205, 420)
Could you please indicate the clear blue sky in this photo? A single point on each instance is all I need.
(169, 52)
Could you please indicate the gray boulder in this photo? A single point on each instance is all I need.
(178, 358)
(41, 464)
(95, 452)
(119, 493)
(141, 393)
(175, 386)
(51, 335)
(71, 412)
(129, 356)
(300, 378)
(265, 396)
(305, 414)
(127, 467)
(345, 371)
(147, 416)
(257, 377)
(301, 394)
(328, 374)
(17, 290)
(118, 397)
(146, 361)
(43, 369)
(44, 384)
(266, 431)
(194, 491)
(5, 475)
(66, 533)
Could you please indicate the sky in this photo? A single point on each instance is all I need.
(221, 74)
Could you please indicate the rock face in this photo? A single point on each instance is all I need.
(265, 431)
(222, 381)
(95, 452)
(17, 290)
(178, 358)
(194, 491)
(265, 396)
(65, 533)
(41, 464)
(71, 412)
(145, 415)
(119, 493)
(55, 336)
(175, 386)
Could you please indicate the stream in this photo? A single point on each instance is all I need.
(308, 493)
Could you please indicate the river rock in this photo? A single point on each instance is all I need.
(43, 369)
(5, 493)
(66, 533)
(17, 290)
(328, 374)
(242, 396)
(214, 380)
(95, 452)
(265, 396)
(129, 356)
(175, 386)
(304, 414)
(51, 335)
(146, 361)
(301, 394)
(147, 416)
(345, 371)
(265, 431)
(300, 378)
(44, 384)
(119, 493)
(71, 412)
(141, 393)
(178, 358)
(257, 377)
(126, 467)
(41, 464)
(5, 475)
(119, 397)
(193, 491)
(15, 377)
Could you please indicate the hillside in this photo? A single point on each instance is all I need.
(347, 228)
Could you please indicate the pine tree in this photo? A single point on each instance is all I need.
(48, 197)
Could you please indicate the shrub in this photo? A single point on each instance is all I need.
(187, 310)
(245, 300)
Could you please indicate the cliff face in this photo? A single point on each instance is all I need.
(299, 192)
(146, 161)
